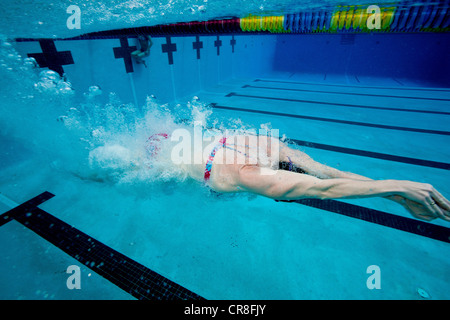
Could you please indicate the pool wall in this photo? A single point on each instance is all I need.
(169, 76)
(420, 58)
(404, 59)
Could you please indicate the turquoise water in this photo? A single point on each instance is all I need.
(223, 247)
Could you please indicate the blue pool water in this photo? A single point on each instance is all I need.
(361, 104)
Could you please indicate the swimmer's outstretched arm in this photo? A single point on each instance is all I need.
(421, 199)
(317, 169)
(322, 171)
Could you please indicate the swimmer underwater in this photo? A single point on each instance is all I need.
(230, 162)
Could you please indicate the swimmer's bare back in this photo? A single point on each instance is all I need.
(231, 155)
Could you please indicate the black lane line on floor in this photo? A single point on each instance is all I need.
(234, 94)
(354, 123)
(376, 155)
(363, 153)
(26, 206)
(350, 86)
(417, 227)
(134, 278)
(360, 94)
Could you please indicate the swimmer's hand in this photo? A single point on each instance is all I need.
(423, 201)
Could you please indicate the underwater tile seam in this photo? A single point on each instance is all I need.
(134, 278)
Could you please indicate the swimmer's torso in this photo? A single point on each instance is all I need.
(238, 151)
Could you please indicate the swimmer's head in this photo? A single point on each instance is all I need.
(134, 161)
(111, 158)
(153, 144)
